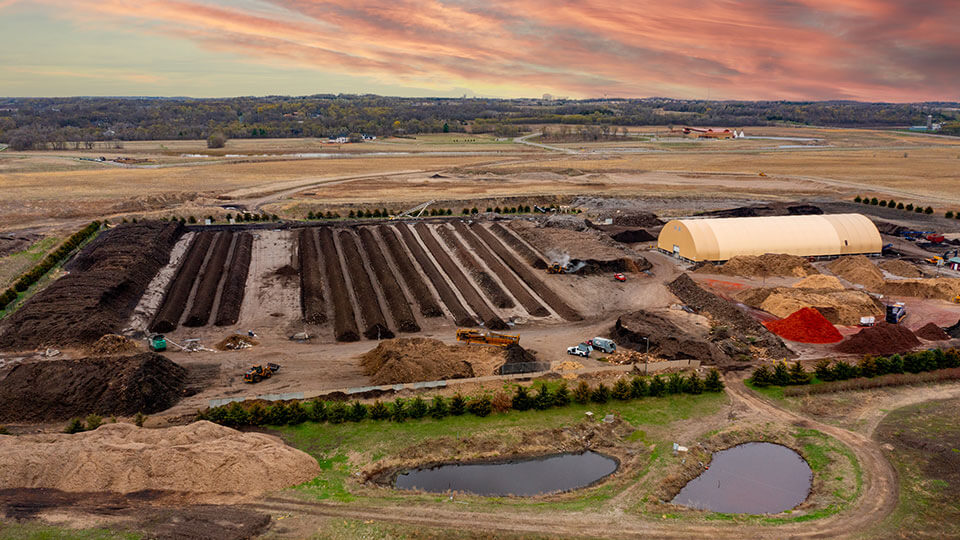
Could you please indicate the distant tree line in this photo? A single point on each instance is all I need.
(61, 123)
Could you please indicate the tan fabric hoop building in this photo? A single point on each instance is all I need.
(807, 236)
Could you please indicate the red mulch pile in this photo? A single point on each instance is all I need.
(932, 332)
(884, 338)
(805, 325)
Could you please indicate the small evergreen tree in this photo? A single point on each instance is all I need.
(140, 418)
(694, 384)
(600, 394)
(675, 383)
(318, 411)
(621, 390)
(94, 421)
(236, 415)
(874, 201)
(337, 412)
(418, 408)
(781, 374)
(458, 405)
(798, 375)
(949, 214)
(638, 387)
(480, 406)
(521, 399)
(823, 371)
(544, 399)
(658, 387)
(398, 410)
(909, 207)
(928, 210)
(310, 215)
(379, 411)
(713, 382)
(883, 203)
(358, 411)
(438, 407)
(75, 426)
(581, 394)
(561, 396)
(857, 199)
(900, 206)
(843, 371)
(762, 376)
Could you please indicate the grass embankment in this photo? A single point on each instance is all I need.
(17, 263)
(926, 452)
(35, 531)
(344, 449)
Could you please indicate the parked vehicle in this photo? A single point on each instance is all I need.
(603, 345)
(580, 350)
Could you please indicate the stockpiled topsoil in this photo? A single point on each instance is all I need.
(53, 390)
(884, 338)
(198, 458)
(666, 339)
(723, 313)
(858, 269)
(767, 265)
(901, 268)
(106, 280)
(932, 332)
(806, 325)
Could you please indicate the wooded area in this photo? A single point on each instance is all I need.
(56, 123)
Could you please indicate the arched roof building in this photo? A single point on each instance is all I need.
(807, 236)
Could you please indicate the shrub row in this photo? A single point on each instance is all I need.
(868, 367)
(399, 410)
(34, 274)
(864, 383)
(898, 205)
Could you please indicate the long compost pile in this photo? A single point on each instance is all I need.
(106, 280)
(53, 390)
(767, 265)
(198, 458)
(724, 313)
(884, 338)
(666, 340)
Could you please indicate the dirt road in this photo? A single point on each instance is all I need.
(878, 498)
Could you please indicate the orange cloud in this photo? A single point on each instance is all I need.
(752, 49)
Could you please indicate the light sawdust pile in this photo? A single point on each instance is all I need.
(767, 265)
(938, 288)
(902, 269)
(839, 306)
(110, 344)
(858, 269)
(819, 281)
(235, 342)
(404, 360)
(198, 458)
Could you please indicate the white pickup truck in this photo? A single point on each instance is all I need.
(580, 350)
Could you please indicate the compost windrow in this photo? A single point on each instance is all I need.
(175, 301)
(527, 300)
(476, 302)
(311, 283)
(493, 290)
(210, 278)
(408, 271)
(231, 298)
(397, 303)
(370, 309)
(344, 321)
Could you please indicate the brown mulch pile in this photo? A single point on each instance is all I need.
(404, 360)
(52, 390)
(902, 269)
(932, 332)
(767, 265)
(667, 340)
(858, 269)
(112, 344)
(884, 338)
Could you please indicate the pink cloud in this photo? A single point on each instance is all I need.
(752, 49)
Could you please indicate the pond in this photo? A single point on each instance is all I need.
(751, 478)
(524, 477)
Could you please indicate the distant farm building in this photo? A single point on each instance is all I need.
(806, 236)
(698, 133)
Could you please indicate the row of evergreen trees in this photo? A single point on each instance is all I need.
(56, 257)
(898, 205)
(399, 410)
(868, 366)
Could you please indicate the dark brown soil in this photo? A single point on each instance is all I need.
(411, 276)
(106, 280)
(953, 331)
(370, 309)
(344, 322)
(726, 314)
(210, 278)
(884, 338)
(178, 292)
(932, 332)
(53, 390)
(520, 360)
(311, 283)
(776, 209)
(460, 280)
(449, 298)
(154, 514)
(396, 301)
(490, 287)
(666, 339)
(231, 299)
(527, 300)
(633, 236)
(527, 275)
(522, 249)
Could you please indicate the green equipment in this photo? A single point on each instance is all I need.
(158, 343)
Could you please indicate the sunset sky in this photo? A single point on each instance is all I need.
(869, 50)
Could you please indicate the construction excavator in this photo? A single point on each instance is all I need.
(471, 336)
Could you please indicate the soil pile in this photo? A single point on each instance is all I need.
(884, 338)
(667, 340)
(806, 325)
(404, 360)
(520, 360)
(112, 344)
(60, 389)
(938, 288)
(932, 332)
(775, 209)
(199, 458)
(235, 342)
(902, 269)
(819, 281)
(633, 236)
(858, 269)
(767, 265)
(724, 313)
(106, 280)
(953, 331)
(838, 306)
